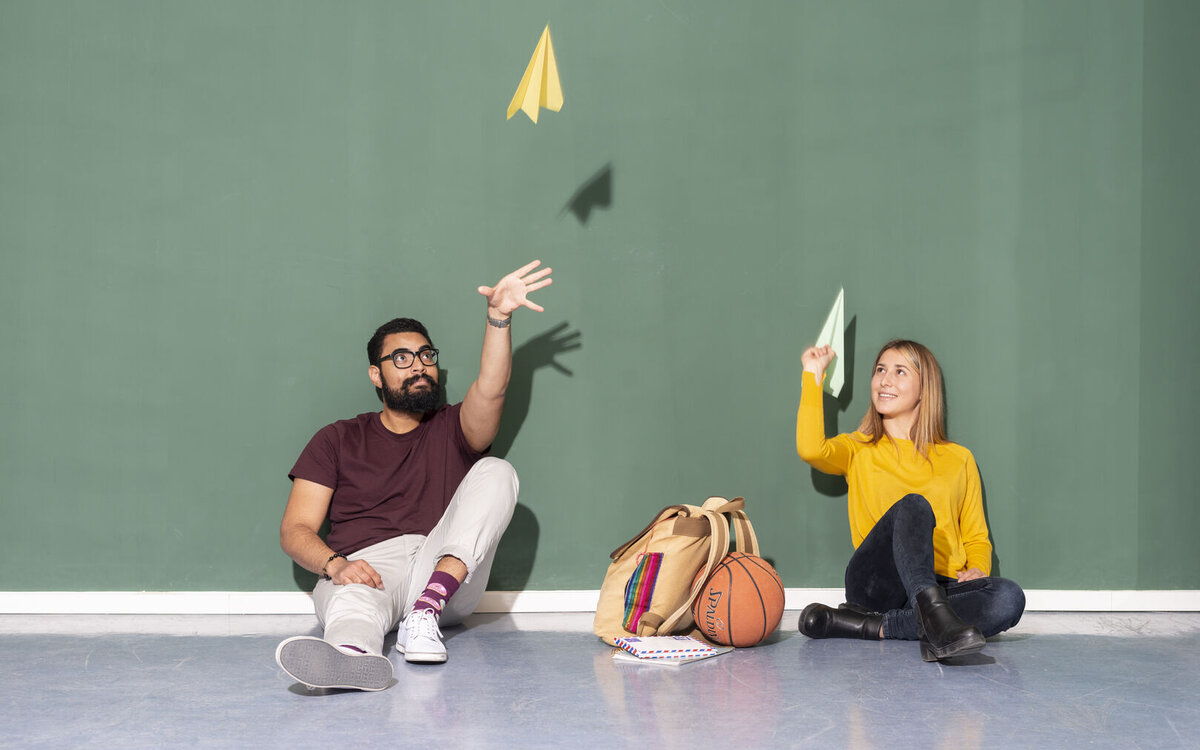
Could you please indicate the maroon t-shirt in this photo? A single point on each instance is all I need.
(385, 485)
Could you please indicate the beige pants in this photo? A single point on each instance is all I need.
(470, 529)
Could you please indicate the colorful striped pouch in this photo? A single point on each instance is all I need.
(639, 591)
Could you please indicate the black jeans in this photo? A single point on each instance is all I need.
(895, 562)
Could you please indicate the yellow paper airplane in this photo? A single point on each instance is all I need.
(539, 86)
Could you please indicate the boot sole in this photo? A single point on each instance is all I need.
(318, 664)
(969, 644)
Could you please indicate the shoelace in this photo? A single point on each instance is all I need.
(426, 625)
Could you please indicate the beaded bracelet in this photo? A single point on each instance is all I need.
(332, 557)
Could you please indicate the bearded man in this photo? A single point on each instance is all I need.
(415, 507)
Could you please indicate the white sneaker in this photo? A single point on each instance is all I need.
(320, 664)
(422, 641)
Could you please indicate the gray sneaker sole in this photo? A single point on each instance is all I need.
(319, 664)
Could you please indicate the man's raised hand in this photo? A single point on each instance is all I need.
(513, 290)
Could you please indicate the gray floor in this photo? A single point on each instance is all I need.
(532, 681)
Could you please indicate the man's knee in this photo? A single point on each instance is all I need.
(497, 468)
(486, 499)
(499, 476)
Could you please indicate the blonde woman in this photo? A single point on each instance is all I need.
(922, 556)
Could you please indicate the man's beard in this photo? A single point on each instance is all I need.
(421, 401)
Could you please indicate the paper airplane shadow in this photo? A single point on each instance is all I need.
(595, 193)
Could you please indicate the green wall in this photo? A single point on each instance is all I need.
(1169, 511)
(206, 208)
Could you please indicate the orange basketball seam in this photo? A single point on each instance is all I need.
(716, 620)
(762, 609)
(765, 566)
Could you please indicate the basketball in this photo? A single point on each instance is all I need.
(741, 603)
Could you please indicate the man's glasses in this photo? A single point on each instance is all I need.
(404, 359)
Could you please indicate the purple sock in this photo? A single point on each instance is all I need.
(439, 590)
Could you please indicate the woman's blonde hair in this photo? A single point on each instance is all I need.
(929, 428)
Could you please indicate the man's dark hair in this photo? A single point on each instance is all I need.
(396, 325)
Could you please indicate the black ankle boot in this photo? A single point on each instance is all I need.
(857, 608)
(819, 621)
(942, 633)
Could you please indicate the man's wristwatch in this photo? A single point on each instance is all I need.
(498, 323)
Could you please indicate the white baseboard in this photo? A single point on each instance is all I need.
(1048, 600)
(299, 603)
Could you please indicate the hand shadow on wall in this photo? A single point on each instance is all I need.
(832, 485)
(518, 547)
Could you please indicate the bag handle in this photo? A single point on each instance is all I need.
(666, 513)
(721, 505)
(716, 552)
(717, 504)
(744, 534)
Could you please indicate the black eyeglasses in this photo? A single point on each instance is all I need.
(404, 359)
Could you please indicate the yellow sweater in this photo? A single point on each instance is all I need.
(878, 475)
